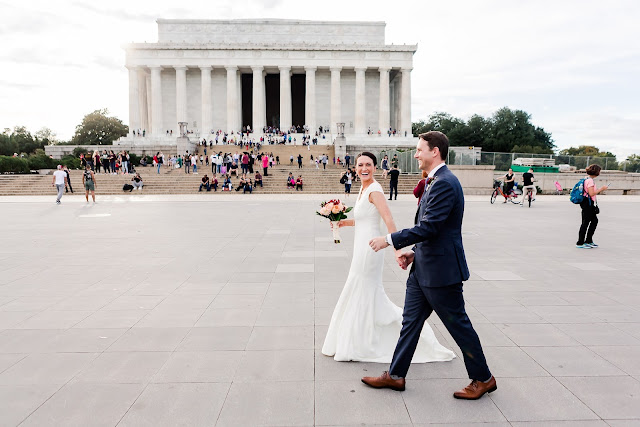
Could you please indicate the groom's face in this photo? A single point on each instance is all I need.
(425, 156)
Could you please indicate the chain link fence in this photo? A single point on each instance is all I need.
(502, 161)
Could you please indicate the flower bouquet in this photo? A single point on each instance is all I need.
(335, 211)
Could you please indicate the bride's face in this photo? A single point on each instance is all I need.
(365, 168)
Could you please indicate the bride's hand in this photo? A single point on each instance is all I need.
(341, 223)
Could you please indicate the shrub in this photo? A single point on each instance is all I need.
(41, 161)
(71, 162)
(10, 164)
(79, 150)
(134, 159)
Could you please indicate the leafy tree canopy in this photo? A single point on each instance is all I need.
(505, 131)
(97, 128)
(19, 141)
(586, 150)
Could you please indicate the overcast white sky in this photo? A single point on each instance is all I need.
(573, 65)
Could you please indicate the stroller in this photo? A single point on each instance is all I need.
(558, 188)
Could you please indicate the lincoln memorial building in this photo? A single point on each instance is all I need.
(233, 74)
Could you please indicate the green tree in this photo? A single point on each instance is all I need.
(632, 164)
(47, 136)
(97, 128)
(506, 131)
(604, 159)
(19, 141)
(586, 150)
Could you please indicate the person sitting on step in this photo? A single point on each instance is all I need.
(258, 179)
(205, 183)
(227, 183)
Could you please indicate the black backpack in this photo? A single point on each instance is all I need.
(343, 180)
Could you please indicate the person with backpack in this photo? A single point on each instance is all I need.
(89, 181)
(584, 193)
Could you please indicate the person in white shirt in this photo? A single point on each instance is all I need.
(59, 181)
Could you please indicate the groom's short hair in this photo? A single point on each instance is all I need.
(437, 139)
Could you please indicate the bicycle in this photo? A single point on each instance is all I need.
(497, 190)
(529, 195)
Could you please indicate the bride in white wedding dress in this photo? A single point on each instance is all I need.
(365, 325)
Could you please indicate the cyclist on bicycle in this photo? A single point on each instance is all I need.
(528, 180)
(509, 181)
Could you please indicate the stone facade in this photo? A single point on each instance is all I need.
(215, 75)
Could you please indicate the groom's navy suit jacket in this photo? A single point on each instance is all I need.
(437, 236)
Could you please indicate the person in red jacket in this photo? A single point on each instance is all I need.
(420, 187)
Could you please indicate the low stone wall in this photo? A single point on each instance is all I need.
(621, 182)
(59, 151)
(474, 179)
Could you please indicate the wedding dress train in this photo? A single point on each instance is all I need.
(365, 325)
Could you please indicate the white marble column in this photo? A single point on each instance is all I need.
(336, 101)
(142, 101)
(239, 100)
(383, 109)
(156, 101)
(181, 96)
(207, 113)
(359, 122)
(259, 101)
(134, 98)
(285, 98)
(405, 103)
(310, 100)
(232, 98)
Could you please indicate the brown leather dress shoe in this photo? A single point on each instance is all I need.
(384, 381)
(476, 389)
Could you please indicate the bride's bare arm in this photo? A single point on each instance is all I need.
(378, 199)
(346, 223)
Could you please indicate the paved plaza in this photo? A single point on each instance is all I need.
(187, 310)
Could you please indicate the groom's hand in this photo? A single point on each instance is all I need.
(378, 243)
(404, 259)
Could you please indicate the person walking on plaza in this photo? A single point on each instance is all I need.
(394, 161)
(347, 160)
(194, 163)
(394, 173)
(299, 161)
(438, 268)
(89, 182)
(590, 209)
(66, 171)
(59, 181)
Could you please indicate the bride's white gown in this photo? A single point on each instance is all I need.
(365, 325)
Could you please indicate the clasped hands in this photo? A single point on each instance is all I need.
(404, 259)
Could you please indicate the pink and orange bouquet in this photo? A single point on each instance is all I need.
(335, 211)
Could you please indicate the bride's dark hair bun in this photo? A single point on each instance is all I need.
(370, 155)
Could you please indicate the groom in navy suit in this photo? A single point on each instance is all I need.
(438, 268)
